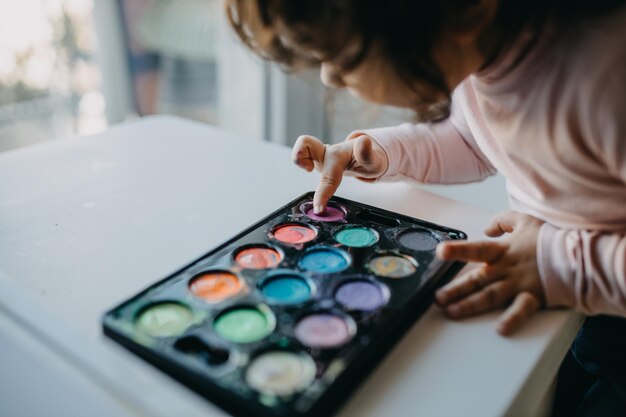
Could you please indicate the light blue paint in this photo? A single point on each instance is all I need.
(286, 289)
(324, 260)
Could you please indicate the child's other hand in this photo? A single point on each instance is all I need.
(508, 275)
(359, 155)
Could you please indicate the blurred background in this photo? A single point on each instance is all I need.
(74, 67)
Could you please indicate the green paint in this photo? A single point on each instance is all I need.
(243, 325)
(164, 320)
(356, 237)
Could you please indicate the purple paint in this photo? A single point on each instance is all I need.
(331, 214)
(361, 295)
(323, 330)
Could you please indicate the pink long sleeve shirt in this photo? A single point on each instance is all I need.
(555, 127)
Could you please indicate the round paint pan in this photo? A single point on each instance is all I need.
(362, 295)
(164, 319)
(324, 260)
(334, 212)
(417, 240)
(356, 236)
(257, 256)
(392, 265)
(245, 323)
(215, 286)
(280, 373)
(293, 233)
(209, 354)
(325, 330)
(286, 288)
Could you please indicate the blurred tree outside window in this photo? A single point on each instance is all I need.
(49, 81)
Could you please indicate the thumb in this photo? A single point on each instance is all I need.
(363, 152)
(368, 160)
(504, 222)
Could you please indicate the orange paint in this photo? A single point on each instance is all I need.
(258, 258)
(215, 286)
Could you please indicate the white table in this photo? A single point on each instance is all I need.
(87, 222)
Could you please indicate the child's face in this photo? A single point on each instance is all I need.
(375, 80)
(372, 80)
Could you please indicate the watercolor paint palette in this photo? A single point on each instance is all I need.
(290, 315)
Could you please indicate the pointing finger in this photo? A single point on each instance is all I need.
(332, 173)
(483, 251)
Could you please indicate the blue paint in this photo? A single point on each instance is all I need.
(324, 260)
(286, 289)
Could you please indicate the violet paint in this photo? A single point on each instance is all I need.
(323, 330)
(361, 295)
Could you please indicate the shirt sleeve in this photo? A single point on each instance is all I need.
(439, 153)
(586, 269)
(583, 269)
(605, 127)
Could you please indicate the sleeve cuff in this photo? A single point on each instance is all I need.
(387, 138)
(553, 268)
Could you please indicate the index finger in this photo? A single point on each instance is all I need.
(332, 174)
(482, 251)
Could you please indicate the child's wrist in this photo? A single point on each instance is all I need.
(558, 292)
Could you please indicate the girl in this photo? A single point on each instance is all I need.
(534, 89)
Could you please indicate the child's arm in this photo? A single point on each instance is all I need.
(586, 269)
(583, 269)
(441, 153)
(538, 264)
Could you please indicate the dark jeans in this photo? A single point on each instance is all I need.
(592, 378)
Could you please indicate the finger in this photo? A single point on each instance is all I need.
(504, 222)
(488, 298)
(469, 283)
(518, 313)
(369, 162)
(307, 151)
(482, 251)
(363, 150)
(332, 173)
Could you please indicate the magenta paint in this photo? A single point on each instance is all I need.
(331, 214)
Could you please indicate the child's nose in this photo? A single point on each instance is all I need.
(329, 76)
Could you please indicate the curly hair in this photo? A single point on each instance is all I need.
(304, 33)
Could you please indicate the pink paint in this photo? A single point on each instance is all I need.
(323, 330)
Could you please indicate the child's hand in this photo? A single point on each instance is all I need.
(508, 276)
(359, 155)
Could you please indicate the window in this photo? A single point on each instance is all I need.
(49, 80)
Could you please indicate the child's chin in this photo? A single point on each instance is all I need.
(387, 101)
